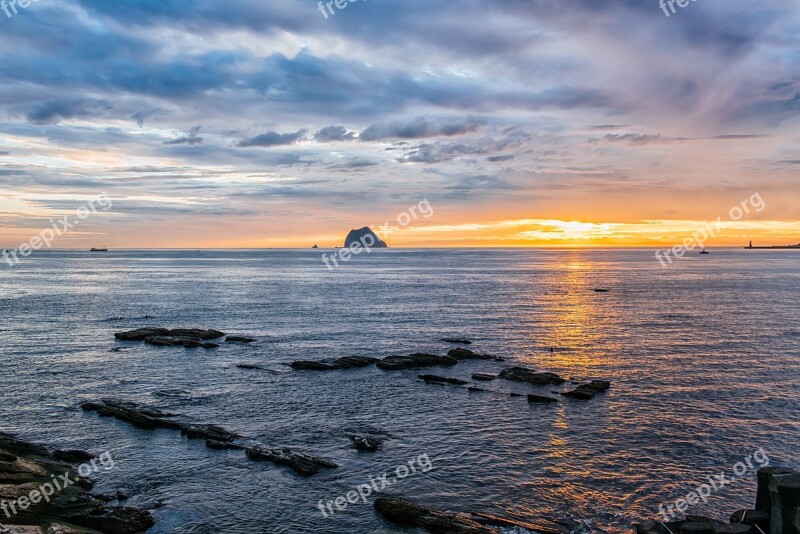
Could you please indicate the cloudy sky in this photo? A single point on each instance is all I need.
(255, 123)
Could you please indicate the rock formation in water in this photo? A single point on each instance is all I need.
(365, 237)
(43, 493)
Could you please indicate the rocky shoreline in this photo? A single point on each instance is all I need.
(29, 472)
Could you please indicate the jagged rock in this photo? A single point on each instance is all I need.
(539, 399)
(759, 518)
(239, 339)
(364, 237)
(72, 455)
(367, 442)
(521, 374)
(222, 445)
(588, 391)
(303, 464)
(442, 380)
(27, 467)
(457, 341)
(348, 362)
(411, 514)
(484, 377)
(150, 418)
(733, 529)
(415, 361)
(177, 337)
(466, 354)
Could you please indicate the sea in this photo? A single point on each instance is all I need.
(703, 356)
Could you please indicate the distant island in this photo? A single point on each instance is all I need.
(751, 247)
(360, 236)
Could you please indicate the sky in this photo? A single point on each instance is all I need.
(255, 123)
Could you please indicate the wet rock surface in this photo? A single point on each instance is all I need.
(588, 391)
(415, 361)
(521, 374)
(540, 399)
(27, 467)
(348, 362)
(434, 379)
(303, 464)
(466, 354)
(151, 418)
(177, 337)
(484, 377)
(411, 514)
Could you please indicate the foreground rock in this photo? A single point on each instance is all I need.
(416, 515)
(434, 379)
(348, 362)
(415, 361)
(177, 337)
(150, 418)
(466, 354)
(521, 374)
(588, 391)
(26, 467)
(303, 464)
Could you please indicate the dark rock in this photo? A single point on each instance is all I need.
(239, 339)
(150, 419)
(539, 399)
(466, 354)
(364, 237)
(516, 394)
(222, 445)
(476, 390)
(209, 345)
(251, 366)
(697, 528)
(588, 391)
(736, 528)
(759, 518)
(411, 514)
(303, 464)
(764, 477)
(141, 333)
(457, 341)
(348, 362)
(521, 374)
(367, 442)
(71, 509)
(415, 361)
(72, 456)
(442, 380)
(602, 290)
(122, 496)
(483, 377)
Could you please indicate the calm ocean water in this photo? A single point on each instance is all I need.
(704, 357)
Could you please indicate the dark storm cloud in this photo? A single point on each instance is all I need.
(334, 133)
(270, 139)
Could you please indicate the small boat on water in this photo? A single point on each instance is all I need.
(704, 252)
(98, 250)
